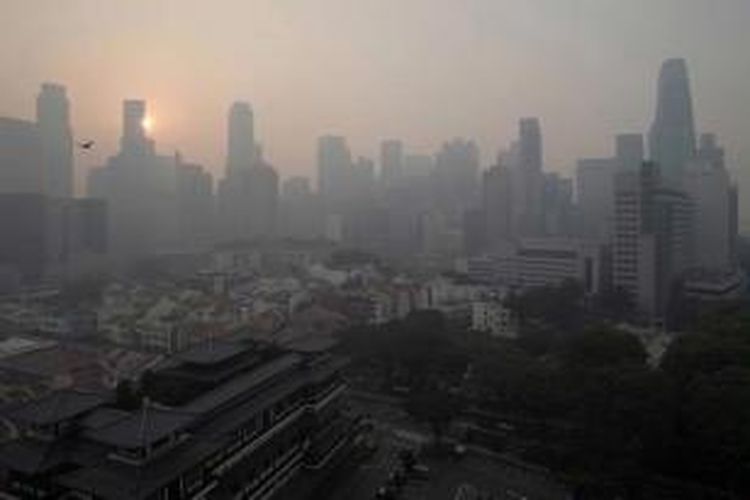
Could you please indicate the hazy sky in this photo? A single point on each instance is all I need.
(421, 70)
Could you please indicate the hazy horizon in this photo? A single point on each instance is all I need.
(423, 71)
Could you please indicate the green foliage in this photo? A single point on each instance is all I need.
(603, 347)
(546, 314)
(585, 401)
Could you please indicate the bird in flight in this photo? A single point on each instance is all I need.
(86, 144)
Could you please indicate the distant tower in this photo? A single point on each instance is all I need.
(53, 120)
(134, 140)
(672, 135)
(241, 152)
(334, 167)
(529, 178)
(391, 163)
(629, 151)
(530, 145)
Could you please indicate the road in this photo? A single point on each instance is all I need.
(486, 473)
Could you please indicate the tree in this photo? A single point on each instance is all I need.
(548, 314)
(603, 347)
(716, 417)
(695, 354)
(436, 407)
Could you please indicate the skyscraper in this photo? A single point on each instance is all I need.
(457, 176)
(240, 137)
(652, 237)
(134, 140)
(497, 209)
(334, 167)
(672, 135)
(711, 191)
(528, 179)
(391, 163)
(629, 151)
(53, 121)
(248, 194)
(530, 145)
(139, 187)
(20, 157)
(595, 189)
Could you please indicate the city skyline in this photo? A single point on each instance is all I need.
(381, 96)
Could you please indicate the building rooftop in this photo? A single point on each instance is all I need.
(141, 428)
(56, 407)
(225, 393)
(212, 352)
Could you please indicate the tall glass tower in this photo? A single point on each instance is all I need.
(672, 135)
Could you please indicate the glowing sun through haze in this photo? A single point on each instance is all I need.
(148, 124)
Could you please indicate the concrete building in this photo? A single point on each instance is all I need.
(629, 151)
(196, 206)
(497, 206)
(551, 261)
(707, 183)
(140, 190)
(595, 189)
(301, 214)
(241, 147)
(21, 159)
(56, 135)
(492, 317)
(334, 168)
(652, 238)
(391, 163)
(456, 177)
(248, 194)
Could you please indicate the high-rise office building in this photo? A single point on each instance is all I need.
(456, 176)
(248, 203)
(53, 121)
(530, 145)
(391, 163)
(528, 179)
(139, 187)
(334, 168)
(24, 228)
(21, 160)
(497, 206)
(629, 151)
(707, 183)
(672, 134)
(241, 150)
(248, 194)
(301, 211)
(362, 182)
(134, 140)
(652, 238)
(195, 205)
(595, 193)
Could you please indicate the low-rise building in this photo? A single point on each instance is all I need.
(224, 420)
